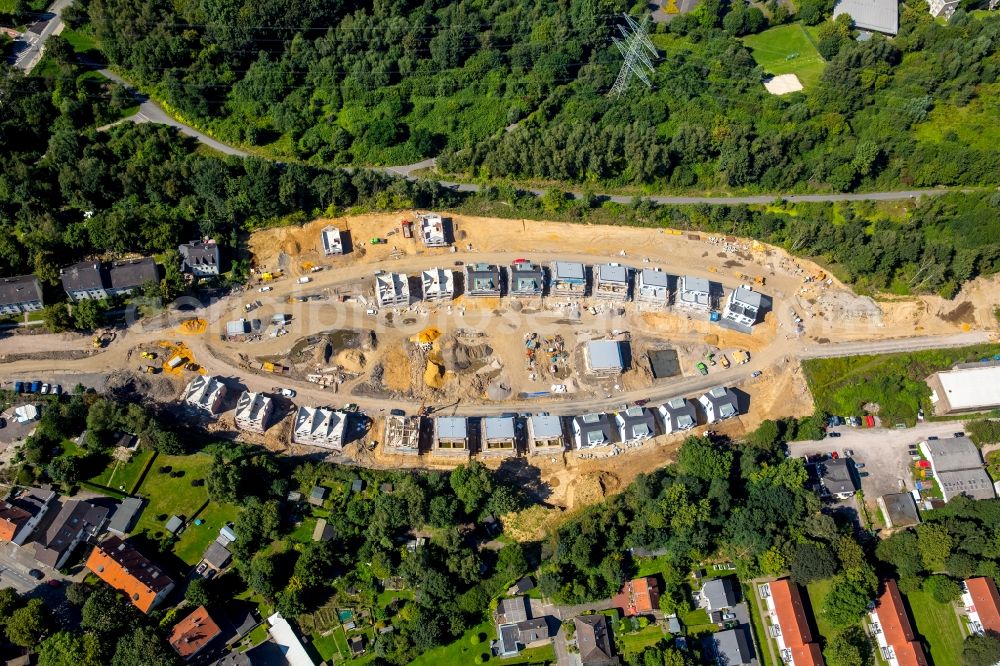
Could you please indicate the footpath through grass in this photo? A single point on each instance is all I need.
(787, 49)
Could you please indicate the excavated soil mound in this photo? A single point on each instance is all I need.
(458, 356)
(351, 360)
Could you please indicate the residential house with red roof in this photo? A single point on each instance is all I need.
(982, 605)
(893, 631)
(192, 634)
(124, 568)
(789, 624)
(638, 596)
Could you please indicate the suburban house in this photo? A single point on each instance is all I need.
(731, 647)
(21, 513)
(899, 510)
(124, 277)
(604, 357)
(591, 430)
(499, 437)
(20, 294)
(323, 531)
(200, 257)
(652, 286)
(719, 404)
(835, 479)
(482, 280)
(593, 641)
(438, 284)
(402, 434)
(317, 495)
(718, 594)
(942, 8)
(192, 634)
(639, 596)
(958, 468)
(333, 242)
(545, 434)
(125, 515)
(967, 387)
(253, 411)
(527, 280)
(205, 393)
(124, 568)
(982, 605)
(509, 613)
(288, 642)
(451, 437)
(320, 427)
(678, 414)
(694, 293)
(77, 521)
(84, 280)
(611, 282)
(392, 289)
(788, 624)
(567, 279)
(742, 306)
(871, 15)
(215, 558)
(432, 231)
(893, 631)
(635, 424)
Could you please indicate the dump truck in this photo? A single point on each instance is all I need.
(176, 362)
(377, 241)
(277, 369)
(741, 357)
(407, 229)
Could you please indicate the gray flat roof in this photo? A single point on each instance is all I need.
(747, 296)
(568, 271)
(692, 283)
(498, 427)
(20, 289)
(877, 15)
(544, 426)
(605, 354)
(125, 514)
(451, 427)
(901, 508)
(975, 483)
(654, 278)
(612, 273)
(953, 453)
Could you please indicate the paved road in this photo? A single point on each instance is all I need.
(150, 111)
(28, 48)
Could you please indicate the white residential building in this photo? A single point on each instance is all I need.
(392, 289)
(545, 434)
(635, 424)
(604, 357)
(678, 414)
(591, 430)
(526, 279)
(694, 293)
(20, 294)
(438, 284)
(499, 436)
(568, 279)
(719, 404)
(432, 231)
(289, 646)
(652, 286)
(742, 306)
(611, 282)
(200, 257)
(253, 411)
(205, 393)
(320, 427)
(451, 437)
(942, 8)
(333, 241)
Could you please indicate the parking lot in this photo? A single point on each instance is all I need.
(883, 452)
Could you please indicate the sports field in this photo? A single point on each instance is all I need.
(787, 49)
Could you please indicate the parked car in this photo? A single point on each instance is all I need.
(959, 434)
(265, 289)
(859, 465)
(833, 433)
(756, 373)
(288, 393)
(56, 389)
(45, 389)
(36, 574)
(371, 311)
(702, 368)
(304, 279)
(397, 412)
(3, 422)
(53, 582)
(728, 616)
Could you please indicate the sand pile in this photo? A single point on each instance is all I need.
(458, 356)
(351, 360)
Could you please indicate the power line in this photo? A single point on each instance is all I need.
(636, 47)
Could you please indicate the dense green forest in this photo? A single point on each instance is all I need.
(342, 83)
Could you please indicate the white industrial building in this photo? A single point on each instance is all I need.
(604, 357)
(591, 430)
(320, 427)
(205, 393)
(694, 293)
(253, 411)
(967, 387)
(742, 306)
(499, 436)
(635, 424)
(871, 15)
(652, 286)
(958, 468)
(432, 231)
(333, 241)
(567, 279)
(438, 284)
(678, 414)
(719, 404)
(451, 437)
(392, 289)
(611, 282)
(545, 434)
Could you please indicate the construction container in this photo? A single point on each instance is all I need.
(407, 229)
(175, 362)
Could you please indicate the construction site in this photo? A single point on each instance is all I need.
(620, 316)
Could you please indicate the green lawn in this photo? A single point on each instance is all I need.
(696, 622)
(940, 628)
(787, 49)
(650, 566)
(80, 41)
(817, 591)
(761, 638)
(972, 124)
(640, 640)
(461, 651)
(177, 497)
(123, 476)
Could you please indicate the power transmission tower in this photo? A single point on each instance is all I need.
(637, 49)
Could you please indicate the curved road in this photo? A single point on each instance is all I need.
(150, 111)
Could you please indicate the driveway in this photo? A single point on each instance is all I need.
(883, 452)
